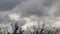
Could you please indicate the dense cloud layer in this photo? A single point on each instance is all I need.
(36, 7)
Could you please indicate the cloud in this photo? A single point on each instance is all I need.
(8, 4)
(31, 8)
(29, 11)
(48, 3)
(35, 7)
(14, 17)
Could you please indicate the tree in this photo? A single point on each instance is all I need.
(8, 32)
(16, 28)
(21, 31)
(37, 31)
(41, 31)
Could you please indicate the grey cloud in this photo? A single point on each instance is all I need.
(32, 7)
(57, 13)
(8, 4)
(4, 18)
(1, 20)
(40, 8)
(48, 3)
(35, 7)
(27, 8)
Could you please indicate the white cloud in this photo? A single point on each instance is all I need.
(14, 17)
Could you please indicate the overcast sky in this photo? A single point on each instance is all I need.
(29, 11)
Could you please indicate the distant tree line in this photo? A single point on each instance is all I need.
(36, 31)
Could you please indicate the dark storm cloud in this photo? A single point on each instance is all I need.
(27, 7)
(32, 11)
(32, 7)
(1, 20)
(48, 3)
(4, 18)
(35, 7)
(8, 4)
(57, 13)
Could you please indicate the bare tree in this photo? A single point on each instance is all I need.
(21, 31)
(16, 28)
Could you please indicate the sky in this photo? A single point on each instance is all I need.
(30, 12)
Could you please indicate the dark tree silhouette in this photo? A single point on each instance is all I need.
(16, 28)
(41, 31)
(20, 31)
(37, 31)
(8, 32)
